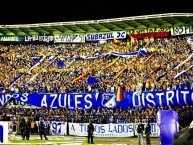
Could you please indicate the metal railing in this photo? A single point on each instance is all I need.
(100, 21)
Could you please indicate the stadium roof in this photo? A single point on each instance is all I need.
(94, 26)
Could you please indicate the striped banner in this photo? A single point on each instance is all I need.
(182, 72)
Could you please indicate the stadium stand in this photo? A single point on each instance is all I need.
(161, 63)
(156, 71)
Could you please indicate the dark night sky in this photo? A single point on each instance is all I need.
(70, 10)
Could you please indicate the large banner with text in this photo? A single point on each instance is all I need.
(100, 130)
(103, 100)
(39, 38)
(106, 36)
(57, 38)
(103, 130)
(155, 132)
(181, 30)
(69, 38)
(110, 130)
(149, 32)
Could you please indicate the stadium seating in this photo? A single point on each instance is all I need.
(59, 68)
(47, 68)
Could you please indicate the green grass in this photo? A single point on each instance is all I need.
(121, 138)
(40, 141)
(110, 141)
(97, 140)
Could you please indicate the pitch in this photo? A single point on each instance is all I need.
(73, 140)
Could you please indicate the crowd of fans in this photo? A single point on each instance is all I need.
(18, 73)
(21, 73)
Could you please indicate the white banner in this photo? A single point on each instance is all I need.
(69, 38)
(154, 129)
(103, 130)
(39, 38)
(106, 36)
(56, 127)
(183, 62)
(180, 30)
(4, 131)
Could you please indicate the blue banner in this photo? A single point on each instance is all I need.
(142, 51)
(106, 36)
(11, 38)
(104, 100)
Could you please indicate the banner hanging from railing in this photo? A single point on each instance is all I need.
(111, 130)
(149, 32)
(55, 127)
(103, 130)
(39, 38)
(154, 129)
(104, 100)
(181, 30)
(11, 39)
(69, 38)
(105, 36)
(57, 38)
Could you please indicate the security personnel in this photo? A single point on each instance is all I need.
(22, 128)
(148, 133)
(42, 130)
(140, 130)
(27, 129)
(90, 130)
